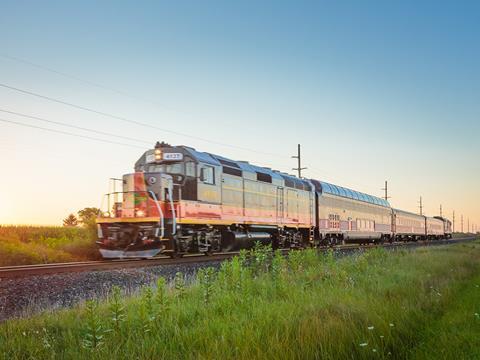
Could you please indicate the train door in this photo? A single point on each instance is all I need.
(279, 205)
(292, 205)
(394, 223)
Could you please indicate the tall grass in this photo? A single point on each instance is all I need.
(377, 304)
(21, 245)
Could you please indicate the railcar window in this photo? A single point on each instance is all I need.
(207, 174)
(342, 191)
(350, 194)
(335, 190)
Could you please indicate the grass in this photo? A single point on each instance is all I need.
(457, 235)
(379, 304)
(21, 245)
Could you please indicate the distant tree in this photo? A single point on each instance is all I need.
(88, 215)
(70, 221)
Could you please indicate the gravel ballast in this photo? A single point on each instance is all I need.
(27, 296)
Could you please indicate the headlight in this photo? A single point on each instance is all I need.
(158, 154)
(140, 213)
(106, 214)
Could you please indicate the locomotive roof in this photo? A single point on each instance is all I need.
(336, 190)
(219, 160)
(407, 212)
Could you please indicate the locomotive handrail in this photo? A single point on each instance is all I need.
(160, 212)
(172, 207)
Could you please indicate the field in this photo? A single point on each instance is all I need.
(21, 245)
(402, 304)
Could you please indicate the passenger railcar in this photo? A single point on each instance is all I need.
(345, 215)
(408, 226)
(435, 228)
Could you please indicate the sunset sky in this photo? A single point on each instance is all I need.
(372, 90)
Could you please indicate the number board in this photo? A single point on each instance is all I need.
(172, 156)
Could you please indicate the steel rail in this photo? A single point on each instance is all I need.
(56, 268)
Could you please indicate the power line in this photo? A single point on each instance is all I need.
(77, 135)
(69, 76)
(88, 82)
(69, 133)
(27, 92)
(75, 127)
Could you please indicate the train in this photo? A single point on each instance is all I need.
(181, 201)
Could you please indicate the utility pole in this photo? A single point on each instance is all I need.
(441, 215)
(462, 223)
(453, 229)
(299, 159)
(386, 197)
(468, 226)
(421, 206)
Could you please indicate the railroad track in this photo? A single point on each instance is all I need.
(56, 268)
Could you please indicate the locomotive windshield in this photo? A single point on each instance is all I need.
(172, 168)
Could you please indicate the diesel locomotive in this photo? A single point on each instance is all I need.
(180, 200)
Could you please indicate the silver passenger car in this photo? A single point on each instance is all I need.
(345, 215)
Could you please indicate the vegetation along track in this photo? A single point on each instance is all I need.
(55, 268)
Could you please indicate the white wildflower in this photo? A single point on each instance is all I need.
(381, 336)
(374, 350)
(391, 325)
(363, 344)
(370, 328)
(24, 333)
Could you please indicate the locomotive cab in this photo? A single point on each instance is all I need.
(140, 220)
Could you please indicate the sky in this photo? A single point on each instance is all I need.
(373, 90)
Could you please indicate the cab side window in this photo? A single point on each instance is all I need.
(190, 168)
(207, 175)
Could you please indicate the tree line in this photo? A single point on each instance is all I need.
(85, 217)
